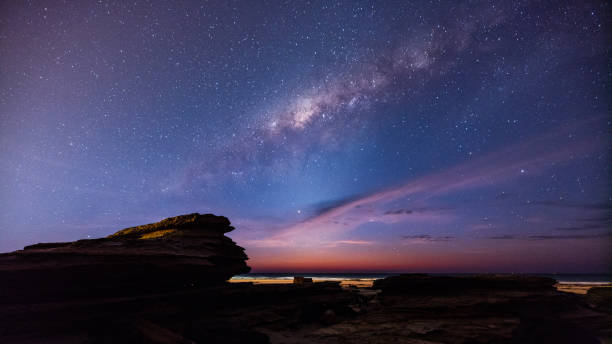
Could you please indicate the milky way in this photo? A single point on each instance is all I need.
(355, 135)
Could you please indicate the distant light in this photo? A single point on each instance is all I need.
(299, 211)
(522, 170)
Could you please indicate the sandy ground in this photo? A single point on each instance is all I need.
(581, 288)
(362, 283)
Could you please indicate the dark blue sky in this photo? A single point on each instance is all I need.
(429, 136)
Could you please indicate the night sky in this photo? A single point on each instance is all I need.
(336, 136)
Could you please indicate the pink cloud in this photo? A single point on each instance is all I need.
(526, 158)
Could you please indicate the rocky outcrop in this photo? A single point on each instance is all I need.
(450, 285)
(178, 253)
(301, 280)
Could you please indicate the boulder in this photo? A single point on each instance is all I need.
(181, 252)
(301, 280)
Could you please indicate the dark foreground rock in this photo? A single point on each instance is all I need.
(481, 309)
(314, 313)
(229, 313)
(177, 253)
(600, 298)
(424, 284)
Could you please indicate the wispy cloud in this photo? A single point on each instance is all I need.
(503, 237)
(527, 158)
(579, 228)
(423, 238)
(551, 236)
(565, 204)
(420, 210)
(597, 215)
(350, 242)
(575, 236)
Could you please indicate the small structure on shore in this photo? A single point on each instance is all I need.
(301, 280)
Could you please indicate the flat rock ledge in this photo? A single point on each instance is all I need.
(178, 253)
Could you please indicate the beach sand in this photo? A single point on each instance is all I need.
(361, 283)
(580, 288)
(568, 287)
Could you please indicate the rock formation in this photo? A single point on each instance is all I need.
(301, 280)
(174, 254)
(419, 284)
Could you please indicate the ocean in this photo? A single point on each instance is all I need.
(561, 278)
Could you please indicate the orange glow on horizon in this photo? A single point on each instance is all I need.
(508, 257)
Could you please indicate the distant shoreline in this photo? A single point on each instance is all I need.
(359, 283)
(331, 276)
(570, 283)
(580, 287)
